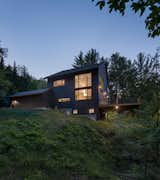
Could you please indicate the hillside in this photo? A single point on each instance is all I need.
(49, 145)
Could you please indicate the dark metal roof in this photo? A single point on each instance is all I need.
(73, 71)
(30, 93)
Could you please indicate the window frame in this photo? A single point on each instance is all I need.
(79, 88)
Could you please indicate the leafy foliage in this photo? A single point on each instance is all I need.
(51, 145)
(151, 7)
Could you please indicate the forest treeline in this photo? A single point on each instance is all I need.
(15, 78)
(139, 77)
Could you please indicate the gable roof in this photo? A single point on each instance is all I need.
(73, 71)
(30, 93)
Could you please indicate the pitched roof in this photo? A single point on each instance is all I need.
(30, 93)
(73, 71)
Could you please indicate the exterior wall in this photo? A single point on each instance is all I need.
(33, 101)
(103, 91)
(68, 91)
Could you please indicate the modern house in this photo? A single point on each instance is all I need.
(75, 91)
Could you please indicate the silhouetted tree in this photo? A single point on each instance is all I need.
(152, 7)
(91, 57)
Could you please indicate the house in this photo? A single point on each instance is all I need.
(75, 91)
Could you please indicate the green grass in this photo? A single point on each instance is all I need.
(50, 145)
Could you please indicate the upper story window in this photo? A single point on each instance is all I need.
(58, 83)
(83, 83)
(83, 80)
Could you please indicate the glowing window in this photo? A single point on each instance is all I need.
(64, 100)
(83, 94)
(83, 80)
(59, 83)
(91, 111)
(75, 111)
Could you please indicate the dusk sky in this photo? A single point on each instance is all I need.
(46, 35)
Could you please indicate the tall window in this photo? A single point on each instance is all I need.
(59, 83)
(83, 83)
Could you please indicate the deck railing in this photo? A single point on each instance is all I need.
(123, 100)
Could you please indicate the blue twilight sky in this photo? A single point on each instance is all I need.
(45, 35)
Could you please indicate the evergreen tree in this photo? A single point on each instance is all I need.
(2, 53)
(91, 57)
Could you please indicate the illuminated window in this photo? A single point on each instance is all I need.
(59, 83)
(91, 111)
(64, 100)
(83, 80)
(83, 94)
(82, 84)
(75, 111)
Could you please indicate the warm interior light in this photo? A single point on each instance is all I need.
(116, 107)
(100, 87)
(104, 93)
(75, 111)
(91, 111)
(84, 92)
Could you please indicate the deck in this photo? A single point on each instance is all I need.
(121, 104)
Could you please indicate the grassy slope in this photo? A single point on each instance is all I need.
(49, 145)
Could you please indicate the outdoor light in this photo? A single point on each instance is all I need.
(15, 102)
(116, 107)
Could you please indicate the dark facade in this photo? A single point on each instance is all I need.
(76, 91)
(30, 99)
(86, 106)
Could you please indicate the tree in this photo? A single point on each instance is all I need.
(91, 57)
(79, 60)
(121, 75)
(152, 7)
(147, 75)
(3, 54)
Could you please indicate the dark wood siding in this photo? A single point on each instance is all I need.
(33, 101)
(68, 91)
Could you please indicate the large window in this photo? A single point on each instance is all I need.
(59, 83)
(83, 83)
(83, 80)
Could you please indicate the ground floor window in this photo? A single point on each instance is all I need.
(64, 100)
(91, 111)
(75, 111)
